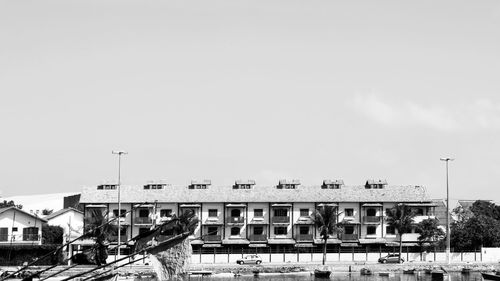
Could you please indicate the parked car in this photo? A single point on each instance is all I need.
(256, 259)
(391, 258)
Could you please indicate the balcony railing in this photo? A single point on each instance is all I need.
(371, 219)
(235, 219)
(281, 219)
(143, 220)
(31, 237)
(349, 237)
(304, 237)
(212, 238)
(258, 238)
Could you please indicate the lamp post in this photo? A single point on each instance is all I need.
(119, 153)
(447, 211)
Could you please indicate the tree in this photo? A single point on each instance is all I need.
(98, 229)
(325, 219)
(429, 231)
(52, 234)
(47, 211)
(485, 208)
(10, 203)
(400, 217)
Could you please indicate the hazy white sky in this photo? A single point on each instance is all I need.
(259, 90)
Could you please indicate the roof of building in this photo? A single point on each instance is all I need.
(62, 211)
(219, 194)
(3, 210)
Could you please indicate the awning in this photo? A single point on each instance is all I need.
(207, 222)
(372, 241)
(328, 204)
(350, 245)
(302, 222)
(349, 222)
(281, 241)
(396, 244)
(212, 246)
(257, 245)
(96, 206)
(236, 241)
(197, 242)
(258, 222)
(420, 204)
(281, 205)
(328, 241)
(143, 206)
(236, 205)
(189, 205)
(372, 205)
(304, 245)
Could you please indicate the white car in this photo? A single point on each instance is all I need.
(250, 259)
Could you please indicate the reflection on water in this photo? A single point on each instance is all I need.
(420, 276)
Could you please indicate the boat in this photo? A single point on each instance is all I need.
(466, 270)
(428, 270)
(490, 276)
(437, 275)
(322, 273)
(107, 277)
(365, 271)
(409, 271)
(383, 274)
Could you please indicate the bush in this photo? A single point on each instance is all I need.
(18, 254)
(52, 234)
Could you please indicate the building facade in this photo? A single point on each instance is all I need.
(18, 227)
(247, 215)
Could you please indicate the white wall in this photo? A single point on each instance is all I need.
(69, 219)
(21, 221)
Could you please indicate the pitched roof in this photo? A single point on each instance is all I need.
(219, 194)
(2, 210)
(62, 211)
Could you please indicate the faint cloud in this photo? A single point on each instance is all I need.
(478, 114)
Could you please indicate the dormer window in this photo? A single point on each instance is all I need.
(107, 186)
(200, 184)
(284, 184)
(154, 186)
(375, 184)
(332, 184)
(244, 184)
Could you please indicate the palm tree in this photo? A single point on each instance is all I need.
(400, 217)
(325, 219)
(98, 228)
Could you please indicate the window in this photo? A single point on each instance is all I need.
(14, 229)
(123, 212)
(212, 213)
(349, 229)
(4, 234)
(258, 230)
(390, 230)
(235, 231)
(143, 213)
(235, 213)
(349, 212)
(212, 230)
(371, 230)
(304, 230)
(165, 213)
(154, 186)
(258, 212)
(304, 212)
(198, 186)
(280, 230)
(281, 212)
(419, 212)
(371, 212)
(30, 233)
(107, 186)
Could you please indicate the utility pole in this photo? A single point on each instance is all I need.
(447, 211)
(119, 153)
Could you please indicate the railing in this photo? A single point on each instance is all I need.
(114, 238)
(143, 220)
(304, 237)
(258, 238)
(31, 237)
(235, 219)
(372, 219)
(347, 237)
(281, 219)
(212, 238)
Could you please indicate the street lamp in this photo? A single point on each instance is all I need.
(119, 153)
(447, 211)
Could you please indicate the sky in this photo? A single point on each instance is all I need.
(263, 90)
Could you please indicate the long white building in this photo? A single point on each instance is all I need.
(249, 215)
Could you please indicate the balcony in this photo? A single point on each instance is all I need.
(304, 237)
(164, 219)
(281, 219)
(258, 238)
(237, 220)
(114, 238)
(212, 238)
(371, 219)
(31, 237)
(143, 220)
(349, 237)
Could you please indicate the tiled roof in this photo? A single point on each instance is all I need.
(62, 211)
(219, 194)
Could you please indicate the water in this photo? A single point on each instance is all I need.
(338, 276)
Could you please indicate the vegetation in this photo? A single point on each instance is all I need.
(52, 234)
(401, 218)
(430, 232)
(325, 219)
(98, 229)
(47, 212)
(10, 203)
